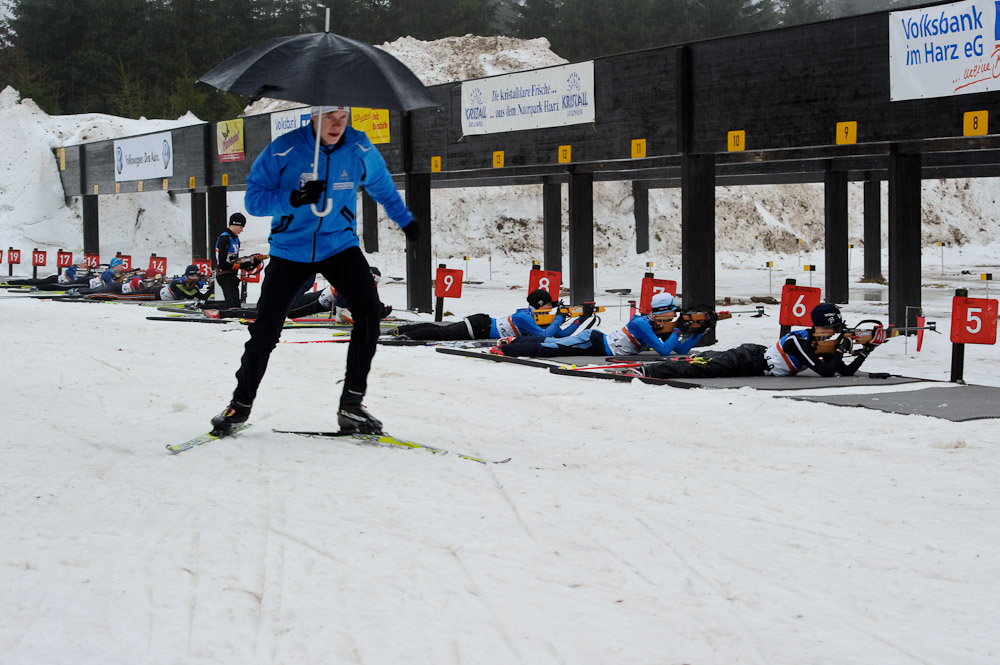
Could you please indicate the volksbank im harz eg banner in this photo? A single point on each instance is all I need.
(944, 50)
(550, 97)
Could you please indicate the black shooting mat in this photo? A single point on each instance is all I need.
(805, 381)
(957, 403)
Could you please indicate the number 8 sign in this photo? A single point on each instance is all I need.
(973, 321)
(548, 280)
(448, 283)
(797, 304)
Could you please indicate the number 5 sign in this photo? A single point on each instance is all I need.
(797, 304)
(447, 283)
(973, 321)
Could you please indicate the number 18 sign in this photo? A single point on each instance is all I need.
(448, 283)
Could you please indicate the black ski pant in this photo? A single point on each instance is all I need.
(744, 360)
(348, 272)
(230, 283)
(476, 326)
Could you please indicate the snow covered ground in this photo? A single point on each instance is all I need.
(634, 524)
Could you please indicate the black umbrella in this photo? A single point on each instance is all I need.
(321, 68)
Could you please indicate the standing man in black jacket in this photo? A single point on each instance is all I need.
(228, 262)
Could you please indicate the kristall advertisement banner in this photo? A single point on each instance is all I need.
(373, 122)
(550, 97)
(144, 157)
(944, 50)
(229, 140)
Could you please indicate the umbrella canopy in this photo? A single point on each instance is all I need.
(321, 68)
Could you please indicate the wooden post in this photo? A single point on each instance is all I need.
(439, 303)
(199, 228)
(91, 225)
(581, 236)
(835, 246)
(958, 350)
(552, 225)
(698, 230)
(418, 254)
(873, 228)
(640, 201)
(218, 217)
(786, 329)
(369, 222)
(904, 237)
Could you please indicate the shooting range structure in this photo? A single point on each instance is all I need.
(786, 89)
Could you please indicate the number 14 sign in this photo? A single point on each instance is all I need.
(973, 321)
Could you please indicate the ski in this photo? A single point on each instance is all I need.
(205, 438)
(388, 440)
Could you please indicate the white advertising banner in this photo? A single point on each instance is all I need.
(944, 50)
(283, 122)
(529, 100)
(144, 157)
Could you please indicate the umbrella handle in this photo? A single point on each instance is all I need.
(329, 207)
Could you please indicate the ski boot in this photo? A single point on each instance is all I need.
(354, 417)
(231, 416)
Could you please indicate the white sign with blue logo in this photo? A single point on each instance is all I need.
(144, 157)
(283, 122)
(550, 97)
(944, 50)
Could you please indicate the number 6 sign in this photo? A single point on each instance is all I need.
(797, 304)
(973, 321)
(447, 283)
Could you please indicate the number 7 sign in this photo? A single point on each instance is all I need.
(973, 321)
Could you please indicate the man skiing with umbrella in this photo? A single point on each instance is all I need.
(310, 191)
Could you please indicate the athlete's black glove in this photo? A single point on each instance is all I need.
(682, 324)
(412, 230)
(386, 310)
(310, 193)
(588, 310)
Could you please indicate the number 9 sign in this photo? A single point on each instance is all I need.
(448, 283)
(973, 321)
(797, 304)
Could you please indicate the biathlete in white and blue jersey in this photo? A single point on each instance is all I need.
(793, 353)
(482, 326)
(635, 336)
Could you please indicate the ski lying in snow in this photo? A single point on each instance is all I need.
(205, 438)
(388, 440)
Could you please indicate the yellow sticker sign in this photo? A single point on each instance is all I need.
(974, 123)
(847, 133)
(229, 140)
(638, 148)
(436, 164)
(736, 141)
(565, 154)
(498, 159)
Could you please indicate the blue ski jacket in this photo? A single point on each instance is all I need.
(296, 233)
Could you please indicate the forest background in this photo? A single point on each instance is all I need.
(142, 58)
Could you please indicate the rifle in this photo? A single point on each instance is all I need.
(860, 336)
(665, 322)
(544, 317)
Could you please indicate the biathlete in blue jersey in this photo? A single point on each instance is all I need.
(482, 326)
(793, 353)
(635, 336)
(282, 185)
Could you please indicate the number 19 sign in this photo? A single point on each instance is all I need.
(448, 283)
(973, 321)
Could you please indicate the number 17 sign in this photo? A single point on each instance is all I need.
(448, 283)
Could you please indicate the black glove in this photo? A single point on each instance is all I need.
(412, 230)
(310, 193)
(682, 324)
(386, 310)
(588, 310)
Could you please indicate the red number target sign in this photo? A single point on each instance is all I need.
(447, 283)
(973, 321)
(651, 287)
(126, 260)
(14, 257)
(158, 264)
(38, 258)
(549, 280)
(797, 303)
(204, 266)
(64, 259)
(92, 260)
